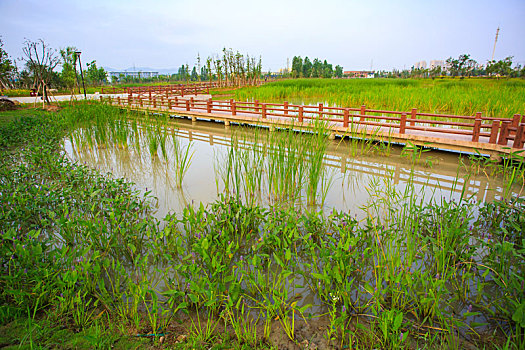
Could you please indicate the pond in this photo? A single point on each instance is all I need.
(349, 166)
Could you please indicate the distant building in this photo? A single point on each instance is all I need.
(437, 63)
(133, 74)
(420, 65)
(358, 74)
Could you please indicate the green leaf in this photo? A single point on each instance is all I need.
(398, 320)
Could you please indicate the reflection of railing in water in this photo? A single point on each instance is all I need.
(481, 190)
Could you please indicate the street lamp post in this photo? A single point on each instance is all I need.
(81, 74)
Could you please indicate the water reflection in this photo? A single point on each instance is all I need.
(435, 174)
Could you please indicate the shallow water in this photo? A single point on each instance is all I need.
(436, 174)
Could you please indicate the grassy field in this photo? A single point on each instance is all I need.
(501, 98)
(85, 264)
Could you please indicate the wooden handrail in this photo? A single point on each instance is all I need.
(499, 130)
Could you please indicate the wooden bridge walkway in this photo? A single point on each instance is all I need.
(491, 136)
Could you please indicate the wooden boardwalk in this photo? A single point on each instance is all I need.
(491, 136)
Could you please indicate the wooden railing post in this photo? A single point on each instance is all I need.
(320, 111)
(403, 123)
(187, 105)
(208, 106)
(263, 110)
(285, 107)
(234, 107)
(182, 91)
(301, 114)
(149, 93)
(519, 139)
(477, 128)
(504, 133)
(413, 116)
(169, 103)
(494, 132)
(346, 117)
(118, 100)
(192, 102)
(176, 101)
(516, 120)
(154, 102)
(363, 112)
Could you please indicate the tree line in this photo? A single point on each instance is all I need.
(314, 69)
(39, 68)
(463, 67)
(229, 69)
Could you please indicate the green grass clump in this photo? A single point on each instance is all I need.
(500, 98)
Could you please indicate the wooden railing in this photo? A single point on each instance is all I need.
(173, 89)
(495, 130)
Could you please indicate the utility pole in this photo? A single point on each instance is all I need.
(81, 74)
(495, 41)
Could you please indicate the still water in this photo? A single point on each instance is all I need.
(351, 168)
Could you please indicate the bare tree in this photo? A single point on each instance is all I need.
(40, 60)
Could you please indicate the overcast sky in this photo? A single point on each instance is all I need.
(354, 34)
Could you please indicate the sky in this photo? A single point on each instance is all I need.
(358, 35)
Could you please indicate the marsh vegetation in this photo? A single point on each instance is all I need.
(84, 252)
(500, 98)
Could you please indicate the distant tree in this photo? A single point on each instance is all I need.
(338, 71)
(465, 63)
(194, 75)
(209, 61)
(218, 64)
(7, 69)
(500, 68)
(204, 74)
(187, 72)
(462, 66)
(198, 67)
(40, 61)
(317, 68)
(307, 68)
(94, 75)
(297, 67)
(181, 73)
(327, 70)
(453, 66)
(435, 72)
(69, 61)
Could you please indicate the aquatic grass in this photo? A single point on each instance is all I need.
(183, 156)
(501, 98)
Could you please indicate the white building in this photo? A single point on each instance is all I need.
(437, 63)
(421, 65)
